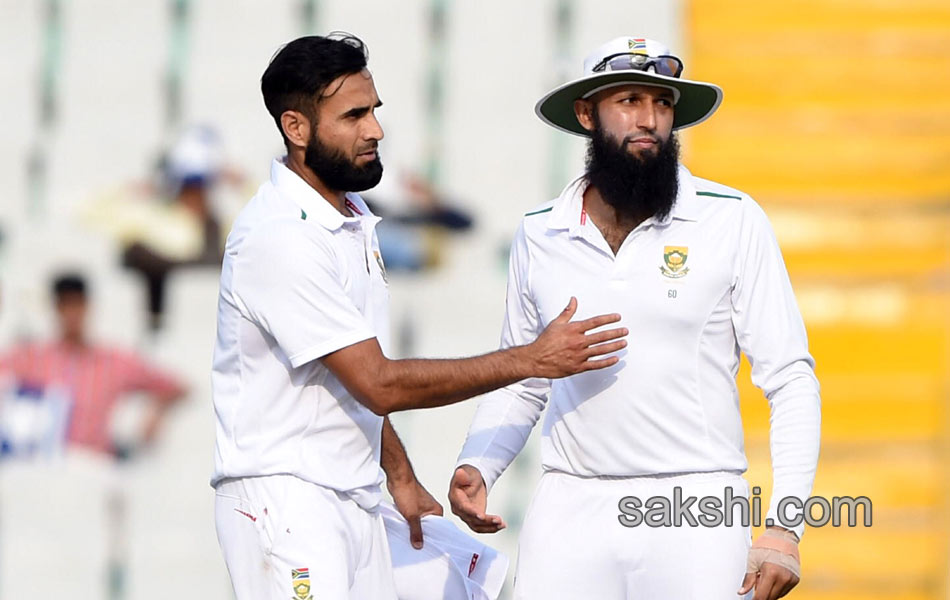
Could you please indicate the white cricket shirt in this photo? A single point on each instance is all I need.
(299, 281)
(693, 289)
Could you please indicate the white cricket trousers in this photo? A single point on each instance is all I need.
(286, 539)
(573, 546)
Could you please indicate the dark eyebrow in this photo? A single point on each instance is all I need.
(359, 111)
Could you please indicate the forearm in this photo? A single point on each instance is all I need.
(393, 458)
(422, 383)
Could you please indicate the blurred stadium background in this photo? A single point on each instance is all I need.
(836, 119)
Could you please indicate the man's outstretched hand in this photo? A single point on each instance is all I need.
(469, 497)
(565, 348)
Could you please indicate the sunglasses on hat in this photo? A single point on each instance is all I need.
(629, 61)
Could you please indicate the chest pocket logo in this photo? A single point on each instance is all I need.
(674, 259)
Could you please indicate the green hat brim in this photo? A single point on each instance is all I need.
(698, 100)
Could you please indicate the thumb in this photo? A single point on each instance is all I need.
(415, 532)
(747, 583)
(462, 478)
(568, 311)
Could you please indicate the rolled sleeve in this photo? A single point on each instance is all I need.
(291, 284)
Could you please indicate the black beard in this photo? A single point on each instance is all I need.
(636, 187)
(337, 172)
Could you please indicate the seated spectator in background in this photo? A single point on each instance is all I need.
(174, 223)
(92, 377)
(416, 217)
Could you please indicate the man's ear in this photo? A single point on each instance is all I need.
(584, 111)
(296, 127)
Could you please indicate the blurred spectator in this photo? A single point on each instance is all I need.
(91, 377)
(57, 400)
(416, 217)
(171, 224)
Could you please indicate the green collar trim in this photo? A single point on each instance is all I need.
(538, 212)
(715, 195)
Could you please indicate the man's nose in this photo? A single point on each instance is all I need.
(646, 118)
(374, 131)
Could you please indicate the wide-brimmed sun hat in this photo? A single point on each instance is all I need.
(623, 61)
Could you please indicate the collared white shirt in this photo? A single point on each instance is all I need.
(299, 281)
(693, 289)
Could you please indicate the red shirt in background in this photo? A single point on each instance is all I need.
(96, 377)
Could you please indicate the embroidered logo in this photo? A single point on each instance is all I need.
(674, 259)
(300, 578)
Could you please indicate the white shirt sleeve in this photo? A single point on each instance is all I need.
(290, 283)
(504, 418)
(770, 331)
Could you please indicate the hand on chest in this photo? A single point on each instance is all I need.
(660, 279)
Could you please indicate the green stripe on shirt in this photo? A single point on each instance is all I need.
(715, 195)
(538, 212)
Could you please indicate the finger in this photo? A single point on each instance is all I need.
(466, 510)
(479, 527)
(788, 587)
(568, 311)
(486, 528)
(487, 524)
(436, 509)
(780, 578)
(598, 321)
(747, 582)
(601, 349)
(415, 532)
(606, 336)
(600, 363)
(764, 585)
(463, 507)
(460, 478)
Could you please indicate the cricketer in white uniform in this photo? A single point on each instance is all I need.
(300, 381)
(695, 271)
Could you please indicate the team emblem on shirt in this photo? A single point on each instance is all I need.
(301, 582)
(674, 259)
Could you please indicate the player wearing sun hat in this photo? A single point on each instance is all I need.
(695, 271)
(623, 61)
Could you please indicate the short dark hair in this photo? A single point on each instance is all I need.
(69, 283)
(300, 72)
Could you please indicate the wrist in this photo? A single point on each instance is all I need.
(777, 531)
(400, 480)
(522, 357)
